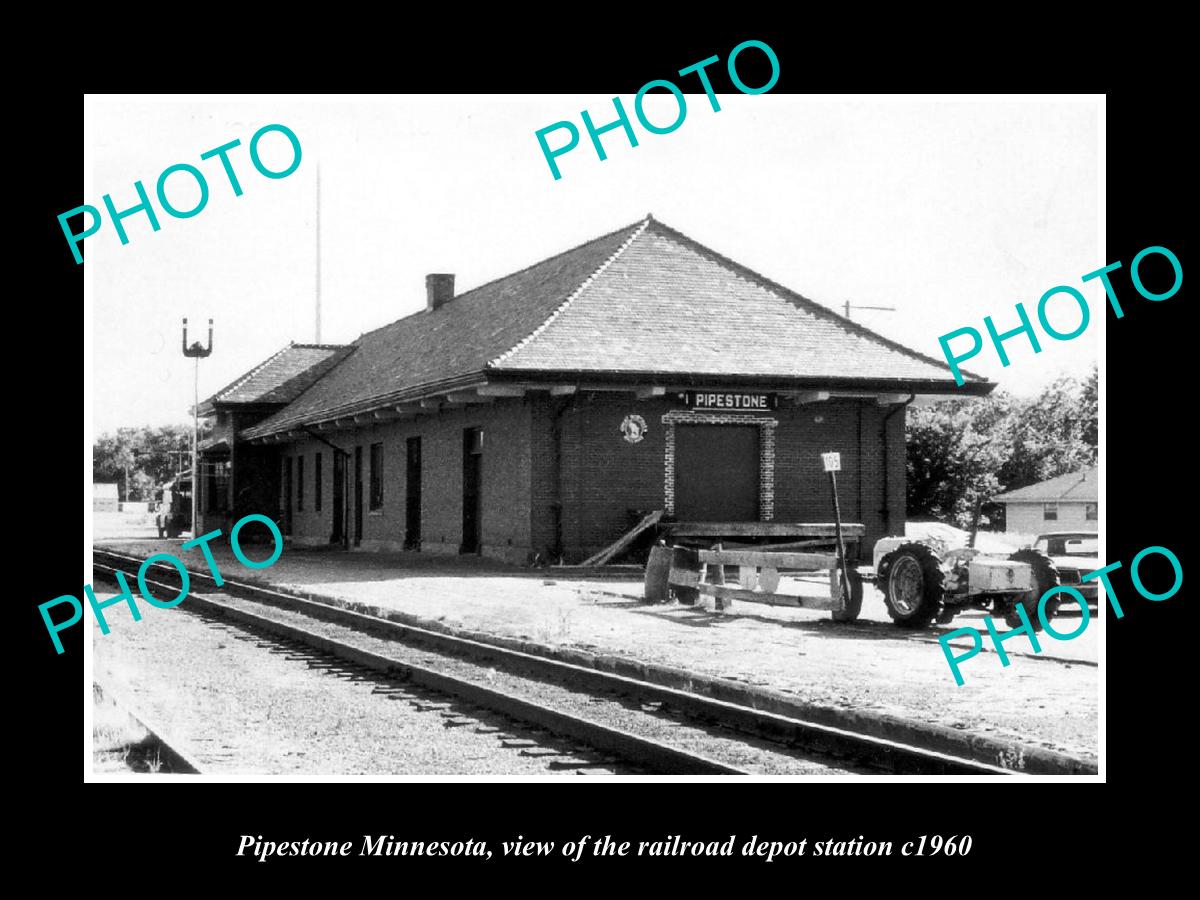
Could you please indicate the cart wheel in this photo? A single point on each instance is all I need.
(685, 559)
(853, 604)
(658, 573)
(686, 595)
(1045, 576)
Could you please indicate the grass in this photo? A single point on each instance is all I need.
(119, 742)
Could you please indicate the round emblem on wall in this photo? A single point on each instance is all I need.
(634, 428)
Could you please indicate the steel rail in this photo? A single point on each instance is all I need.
(842, 745)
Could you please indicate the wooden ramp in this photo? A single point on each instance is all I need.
(624, 541)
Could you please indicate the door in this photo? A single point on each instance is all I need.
(716, 473)
(287, 496)
(412, 495)
(472, 483)
(358, 496)
(339, 498)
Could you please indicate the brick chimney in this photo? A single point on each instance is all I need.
(438, 289)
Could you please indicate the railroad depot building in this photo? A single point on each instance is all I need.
(545, 412)
(236, 476)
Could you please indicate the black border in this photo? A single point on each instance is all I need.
(1148, 442)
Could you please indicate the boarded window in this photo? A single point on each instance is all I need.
(377, 476)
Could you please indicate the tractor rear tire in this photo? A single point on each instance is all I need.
(1045, 576)
(853, 604)
(913, 585)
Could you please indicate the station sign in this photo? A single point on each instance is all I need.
(731, 401)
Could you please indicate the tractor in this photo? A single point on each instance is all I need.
(929, 580)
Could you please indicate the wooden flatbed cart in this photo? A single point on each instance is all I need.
(715, 564)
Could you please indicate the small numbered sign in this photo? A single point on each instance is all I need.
(833, 461)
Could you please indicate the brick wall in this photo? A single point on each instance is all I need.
(255, 481)
(603, 475)
(604, 478)
(854, 428)
(506, 494)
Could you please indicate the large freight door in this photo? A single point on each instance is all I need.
(716, 473)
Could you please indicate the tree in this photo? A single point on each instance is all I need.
(963, 451)
(147, 456)
(952, 460)
(1090, 410)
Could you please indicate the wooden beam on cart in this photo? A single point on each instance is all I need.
(769, 559)
(764, 529)
(721, 592)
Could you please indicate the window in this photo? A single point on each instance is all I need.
(473, 443)
(299, 484)
(1050, 512)
(377, 476)
(1090, 512)
(317, 484)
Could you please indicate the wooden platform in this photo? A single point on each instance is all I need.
(850, 530)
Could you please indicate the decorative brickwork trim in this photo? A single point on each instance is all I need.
(766, 453)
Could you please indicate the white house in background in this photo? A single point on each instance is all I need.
(1066, 503)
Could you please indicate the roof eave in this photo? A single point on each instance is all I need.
(905, 385)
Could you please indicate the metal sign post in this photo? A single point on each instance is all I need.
(833, 465)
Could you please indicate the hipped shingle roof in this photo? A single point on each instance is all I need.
(642, 300)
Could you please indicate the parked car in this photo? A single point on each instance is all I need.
(1074, 554)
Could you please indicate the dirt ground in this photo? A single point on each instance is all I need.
(1049, 699)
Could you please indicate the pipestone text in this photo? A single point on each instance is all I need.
(98, 607)
(1027, 629)
(732, 401)
(1085, 316)
(622, 120)
(383, 845)
(145, 205)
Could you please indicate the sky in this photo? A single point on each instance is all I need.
(946, 210)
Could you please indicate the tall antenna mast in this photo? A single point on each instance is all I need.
(318, 253)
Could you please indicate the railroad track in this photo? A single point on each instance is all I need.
(607, 745)
(171, 752)
(442, 659)
(556, 749)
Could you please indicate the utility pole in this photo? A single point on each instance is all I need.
(318, 253)
(197, 352)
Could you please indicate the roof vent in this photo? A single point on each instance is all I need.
(438, 289)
